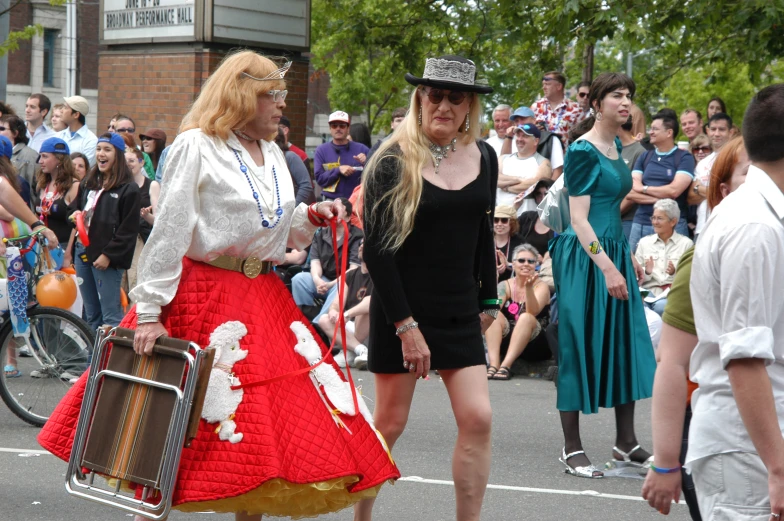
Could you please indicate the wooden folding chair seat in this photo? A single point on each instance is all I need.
(137, 414)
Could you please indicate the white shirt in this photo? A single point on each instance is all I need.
(83, 141)
(42, 133)
(703, 172)
(513, 166)
(556, 152)
(206, 209)
(736, 281)
(652, 246)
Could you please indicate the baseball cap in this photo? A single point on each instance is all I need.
(505, 211)
(55, 145)
(8, 147)
(285, 122)
(339, 115)
(522, 112)
(115, 140)
(529, 130)
(78, 104)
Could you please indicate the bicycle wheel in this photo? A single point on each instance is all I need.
(61, 344)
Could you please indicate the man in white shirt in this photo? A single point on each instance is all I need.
(549, 145)
(37, 108)
(501, 122)
(736, 447)
(76, 133)
(519, 173)
(719, 133)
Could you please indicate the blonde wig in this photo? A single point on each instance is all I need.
(402, 201)
(229, 98)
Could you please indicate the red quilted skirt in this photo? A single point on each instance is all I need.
(293, 459)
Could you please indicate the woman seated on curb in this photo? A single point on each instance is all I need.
(524, 312)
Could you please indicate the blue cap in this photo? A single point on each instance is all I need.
(522, 112)
(8, 147)
(55, 145)
(530, 130)
(116, 140)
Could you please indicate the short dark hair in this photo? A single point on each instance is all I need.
(399, 112)
(669, 121)
(15, 124)
(347, 204)
(44, 103)
(721, 116)
(121, 117)
(583, 84)
(285, 122)
(557, 76)
(5, 108)
(689, 111)
(763, 125)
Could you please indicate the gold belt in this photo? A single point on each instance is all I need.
(251, 267)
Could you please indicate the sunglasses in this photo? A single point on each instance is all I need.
(436, 96)
(582, 94)
(547, 78)
(278, 95)
(146, 138)
(3, 128)
(526, 261)
(502, 220)
(129, 130)
(338, 125)
(702, 149)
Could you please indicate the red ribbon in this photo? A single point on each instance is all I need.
(341, 281)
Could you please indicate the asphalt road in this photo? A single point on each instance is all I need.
(526, 482)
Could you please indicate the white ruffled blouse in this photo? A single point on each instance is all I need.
(206, 209)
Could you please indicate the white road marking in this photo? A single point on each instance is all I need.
(591, 493)
(24, 451)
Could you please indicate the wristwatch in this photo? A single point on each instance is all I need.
(645, 189)
(696, 189)
(491, 312)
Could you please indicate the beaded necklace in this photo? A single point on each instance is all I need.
(278, 211)
(441, 152)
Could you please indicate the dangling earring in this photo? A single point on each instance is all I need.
(598, 116)
(420, 116)
(466, 124)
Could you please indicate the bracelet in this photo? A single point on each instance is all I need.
(660, 470)
(147, 318)
(491, 313)
(406, 327)
(36, 224)
(595, 248)
(491, 302)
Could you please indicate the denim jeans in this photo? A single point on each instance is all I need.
(304, 291)
(100, 291)
(658, 306)
(643, 230)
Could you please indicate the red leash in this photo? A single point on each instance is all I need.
(341, 281)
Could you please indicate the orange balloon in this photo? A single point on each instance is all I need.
(70, 270)
(56, 289)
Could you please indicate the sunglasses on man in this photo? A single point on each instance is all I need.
(582, 94)
(338, 125)
(436, 96)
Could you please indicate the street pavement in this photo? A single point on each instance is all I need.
(526, 482)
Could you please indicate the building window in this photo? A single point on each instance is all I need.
(50, 40)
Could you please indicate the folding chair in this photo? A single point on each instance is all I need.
(137, 414)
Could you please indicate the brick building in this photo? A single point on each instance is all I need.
(153, 82)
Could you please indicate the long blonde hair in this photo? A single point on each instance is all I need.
(228, 98)
(402, 201)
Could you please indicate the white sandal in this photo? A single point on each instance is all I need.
(627, 460)
(590, 472)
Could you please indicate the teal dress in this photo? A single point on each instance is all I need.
(605, 355)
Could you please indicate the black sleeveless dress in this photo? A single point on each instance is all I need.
(433, 276)
(145, 228)
(57, 221)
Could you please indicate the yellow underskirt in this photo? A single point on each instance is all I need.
(278, 497)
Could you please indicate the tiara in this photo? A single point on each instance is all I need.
(274, 75)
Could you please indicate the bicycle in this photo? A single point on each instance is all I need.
(58, 343)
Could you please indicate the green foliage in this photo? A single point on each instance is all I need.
(15, 37)
(686, 51)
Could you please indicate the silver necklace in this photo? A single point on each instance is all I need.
(243, 135)
(441, 152)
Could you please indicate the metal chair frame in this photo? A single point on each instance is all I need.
(85, 486)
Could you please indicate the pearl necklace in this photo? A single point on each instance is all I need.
(441, 152)
(279, 210)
